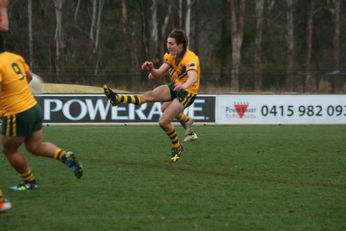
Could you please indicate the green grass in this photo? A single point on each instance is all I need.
(231, 178)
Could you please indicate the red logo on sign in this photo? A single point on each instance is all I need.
(241, 108)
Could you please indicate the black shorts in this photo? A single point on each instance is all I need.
(185, 98)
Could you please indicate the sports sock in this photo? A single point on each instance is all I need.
(60, 155)
(134, 99)
(172, 134)
(183, 118)
(27, 175)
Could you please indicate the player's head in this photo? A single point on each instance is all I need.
(180, 38)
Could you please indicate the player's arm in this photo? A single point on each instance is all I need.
(192, 78)
(155, 73)
(3, 15)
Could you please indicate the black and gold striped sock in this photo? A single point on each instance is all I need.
(183, 118)
(60, 155)
(27, 175)
(172, 134)
(134, 99)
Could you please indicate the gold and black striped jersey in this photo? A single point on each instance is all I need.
(178, 72)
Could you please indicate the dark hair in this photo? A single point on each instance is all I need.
(180, 37)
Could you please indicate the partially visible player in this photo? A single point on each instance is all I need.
(4, 15)
(183, 68)
(4, 203)
(22, 121)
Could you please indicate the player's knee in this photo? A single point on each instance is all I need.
(163, 122)
(33, 148)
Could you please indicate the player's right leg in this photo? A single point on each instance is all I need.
(115, 98)
(186, 122)
(35, 146)
(158, 94)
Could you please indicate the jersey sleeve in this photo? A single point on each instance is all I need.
(167, 59)
(192, 64)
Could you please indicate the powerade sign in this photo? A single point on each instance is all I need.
(95, 108)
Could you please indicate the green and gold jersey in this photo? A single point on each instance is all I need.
(178, 72)
(15, 95)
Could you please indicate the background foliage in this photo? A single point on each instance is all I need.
(107, 40)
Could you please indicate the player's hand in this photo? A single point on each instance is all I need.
(178, 86)
(150, 76)
(147, 66)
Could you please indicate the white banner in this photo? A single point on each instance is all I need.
(277, 109)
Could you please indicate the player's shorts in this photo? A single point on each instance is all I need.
(185, 98)
(24, 123)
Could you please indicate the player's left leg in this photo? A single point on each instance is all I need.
(165, 123)
(18, 162)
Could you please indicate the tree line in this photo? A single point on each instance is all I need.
(243, 45)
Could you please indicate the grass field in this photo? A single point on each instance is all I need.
(231, 178)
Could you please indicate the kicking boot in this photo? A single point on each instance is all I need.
(190, 134)
(74, 164)
(176, 153)
(111, 95)
(24, 186)
(191, 137)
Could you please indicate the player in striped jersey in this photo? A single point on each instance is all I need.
(183, 68)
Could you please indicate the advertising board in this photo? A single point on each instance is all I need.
(95, 108)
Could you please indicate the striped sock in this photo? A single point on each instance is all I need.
(60, 154)
(183, 119)
(172, 134)
(27, 175)
(134, 99)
